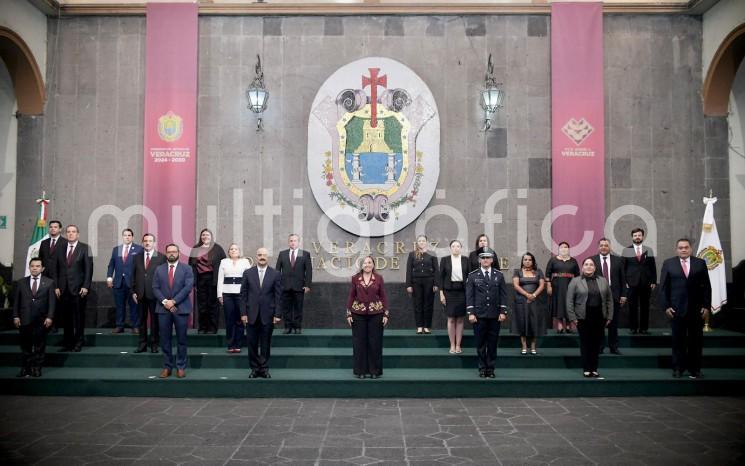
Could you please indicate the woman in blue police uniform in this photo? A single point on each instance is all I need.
(486, 296)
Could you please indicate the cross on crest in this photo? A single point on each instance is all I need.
(374, 81)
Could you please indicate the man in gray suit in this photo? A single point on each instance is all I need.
(33, 310)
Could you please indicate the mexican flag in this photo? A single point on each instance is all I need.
(40, 231)
(710, 249)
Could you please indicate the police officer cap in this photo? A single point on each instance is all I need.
(486, 252)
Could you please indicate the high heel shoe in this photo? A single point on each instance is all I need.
(419, 331)
(524, 352)
(427, 331)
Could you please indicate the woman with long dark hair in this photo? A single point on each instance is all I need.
(367, 314)
(205, 260)
(589, 304)
(421, 273)
(482, 241)
(529, 318)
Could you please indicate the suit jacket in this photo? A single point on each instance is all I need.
(142, 277)
(642, 272)
(295, 278)
(122, 271)
(79, 273)
(683, 294)
(486, 297)
(215, 254)
(183, 282)
(446, 269)
(261, 302)
(49, 260)
(617, 275)
(34, 309)
(577, 298)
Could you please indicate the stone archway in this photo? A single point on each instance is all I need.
(721, 74)
(24, 71)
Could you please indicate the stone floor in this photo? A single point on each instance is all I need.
(503, 431)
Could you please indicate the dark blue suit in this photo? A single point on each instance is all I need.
(261, 304)
(686, 296)
(121, 273)
(486, 298)
(183, 282)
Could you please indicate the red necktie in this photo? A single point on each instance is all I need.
(147, 260)
(126, 254)
(292, 259)
(605, 269)
(684, 263)
(52, 246)
(69, 255)
(170, 275)
(639, 254)
(35, 286)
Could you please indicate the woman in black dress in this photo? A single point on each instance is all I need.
(559, 272)
(454, 271)
(367, 314)
(473, 258)
(528, 321)
(590, 307)
(205, 260)
(421, 272)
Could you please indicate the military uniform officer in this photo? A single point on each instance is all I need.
(486, 296)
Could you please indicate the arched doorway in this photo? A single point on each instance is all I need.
(24, 71)
(721, 74)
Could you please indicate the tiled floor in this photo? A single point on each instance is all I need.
(619, 431)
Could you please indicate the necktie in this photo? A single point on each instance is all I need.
(171, 270)
(69, 255)
(292, 258)
(605, 269)
(35, 286)
(126, 253)
(147, 260)
(638, 254)
(261, 278)
(52, 245)
(684, 263)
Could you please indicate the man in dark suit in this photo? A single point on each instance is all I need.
(261, 294)
(486, 298)
(145, 266)
(74, 275)
(611, 267)
(49, 253)
(297, 276)
(172, 284)
(119, 278)
(641, 276)
(33, 313)
(685, 295)
(50, 247)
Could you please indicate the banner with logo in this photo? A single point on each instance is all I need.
(170, 165)
(577, 125)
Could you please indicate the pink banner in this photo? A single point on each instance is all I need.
(170, 165)
(577, 125)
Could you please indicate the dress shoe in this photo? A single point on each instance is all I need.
(677, 374)
(602, 350)
(427, 331)
(482, 374)
(375, 376)
(36, 372)
(490, 375)
(77, 349)
(117, 330)
(141, 349)
(135, 331)
(298, 330)
(23, 373)
(616, 351)
(201, 332)
(154, 349)
(181, 373)
(695, 375)
(266, 375)
(359, 376)
(287, 331)
(633, 331)
(165, 373)
(594, 374)
(587, 374)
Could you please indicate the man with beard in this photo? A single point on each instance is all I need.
(641, 277)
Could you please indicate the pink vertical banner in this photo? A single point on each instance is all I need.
(170, 165)
(577, 125)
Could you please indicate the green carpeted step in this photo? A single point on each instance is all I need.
(394, 383)
(342, 338)
(394, 358)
